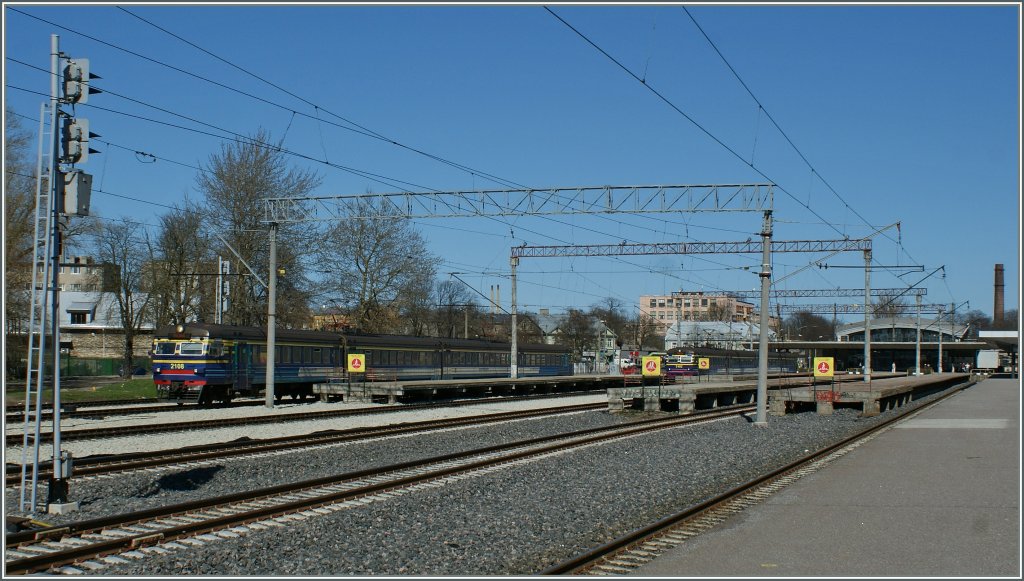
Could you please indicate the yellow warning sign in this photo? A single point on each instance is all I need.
(356, 363)
(703, 363)
(824, 366)
(651, 366)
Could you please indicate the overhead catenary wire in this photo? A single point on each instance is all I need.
(365, 131)
(317, 108)
(762, 109)
(375, 177)
(699, 126)
(478, 173)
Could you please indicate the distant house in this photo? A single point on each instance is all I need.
(549, 325)
(90, 326)
(603, 351)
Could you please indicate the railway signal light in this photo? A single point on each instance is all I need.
(76, 81)
(76, 191)
(75, 141)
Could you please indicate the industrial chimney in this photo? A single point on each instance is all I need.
(997, 307)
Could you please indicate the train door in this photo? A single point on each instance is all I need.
(438, 364)
(242, 368)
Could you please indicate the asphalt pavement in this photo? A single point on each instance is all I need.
(937, 495)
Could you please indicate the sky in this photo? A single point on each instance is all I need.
(861, 115)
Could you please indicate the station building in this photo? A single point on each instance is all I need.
(894, 345)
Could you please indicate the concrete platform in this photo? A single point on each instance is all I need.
(937, 495)
(883, 393)
(421, 390)
(794, 392)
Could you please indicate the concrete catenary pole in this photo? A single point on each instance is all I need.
(867, 316)
(271, 316)
(918, 359)
(762, 348)
(514, 361)
(997, 298)
(940, 340)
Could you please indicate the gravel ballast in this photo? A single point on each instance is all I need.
(513, 521)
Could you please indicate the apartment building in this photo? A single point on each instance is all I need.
(694, 306)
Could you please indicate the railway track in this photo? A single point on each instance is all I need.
(113, 432)
(19, 408)
(87, 543)
(630, 551)
(74, 411)
(193, 455)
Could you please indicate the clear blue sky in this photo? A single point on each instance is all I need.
(910, 113)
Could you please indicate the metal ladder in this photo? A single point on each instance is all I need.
(38, 320)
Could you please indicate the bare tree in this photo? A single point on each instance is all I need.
(455, 306)
(888, 305)
(806, 325)
(181, 279)
(235, 182)
(577, 333)
(642, 332)
(19, 224)
(1009, 321)
(974, 320)
(124, 249)
(377, 265)
(719, 311)
(612, 311)
(19, 220)
(416, 304)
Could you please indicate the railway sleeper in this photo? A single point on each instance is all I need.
(49, 534)
(147, 540)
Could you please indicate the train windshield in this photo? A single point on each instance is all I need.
(164, 348)
(191, 348)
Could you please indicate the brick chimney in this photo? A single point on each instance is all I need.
(997, 306)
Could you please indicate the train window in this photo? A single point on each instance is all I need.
(164, 348)
(318, 355)
(307, 355)
(192, 348)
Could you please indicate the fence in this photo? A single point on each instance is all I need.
(82, 367)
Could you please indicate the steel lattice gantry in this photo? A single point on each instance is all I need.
(652, 199)
(835, 292)
(765, 246)
(749, 247)
(854, 309)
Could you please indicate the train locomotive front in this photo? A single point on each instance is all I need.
(191, 366)
(206, 363)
